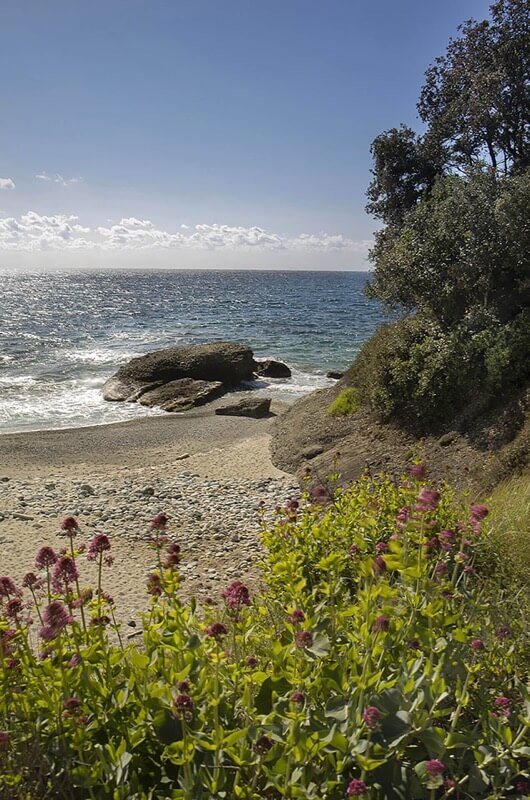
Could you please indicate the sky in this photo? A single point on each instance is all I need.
(204, 133)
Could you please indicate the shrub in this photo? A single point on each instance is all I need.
(369, 666)
(346, 403)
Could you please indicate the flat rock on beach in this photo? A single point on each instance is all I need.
(208, 474)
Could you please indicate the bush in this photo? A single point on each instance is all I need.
(417, 372)
(346, 403)
(370, 666)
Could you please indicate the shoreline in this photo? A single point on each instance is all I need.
(208, 473)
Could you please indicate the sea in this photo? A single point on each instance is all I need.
(62, 334)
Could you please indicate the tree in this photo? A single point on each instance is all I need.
(476, 97)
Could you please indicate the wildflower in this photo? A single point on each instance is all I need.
(434, 768)
(47, 633)
(478, 512)
(102, 620)
(378, 565)
(159, 522)
(417, 471)
(403, 516)
(85, 597)
(14, 607)
(381, 624)
(236, 595)
(292, 506)
(460, 557)
(30, 581)
(428, 500)
(64, 571)
(173, 556)
(502, 704)
(477, 645)
(183, 706)
(371, 717)
(99, 544)
(303, 639)
(356, 788)
(449, 784)
(354, 551)
(183, 686)
(70, 526)
(216, 630)
(440, 568)
(14, 663)
(75, 661)
(7, 587)
(381, 547)
(251, 661)
(154, 584)
(468, 570)
(71, 704)
(262, 745)
(297, 616)
(319, 494)
(298, 698)
(56, 616)
(4, 740)
(6, 634)
(503, 632)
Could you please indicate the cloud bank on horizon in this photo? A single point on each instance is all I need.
(34, 233)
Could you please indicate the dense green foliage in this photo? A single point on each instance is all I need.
(346, 402)
(371, 665)
(455, 246)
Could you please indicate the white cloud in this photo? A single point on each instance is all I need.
(36, 232)
(7, 183)
(56, 178)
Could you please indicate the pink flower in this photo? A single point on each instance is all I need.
(434, 767)
(403, 516)
(251, 661)
(173, 556)
(183, 706)
(380, 624)
(356, 788)
(75, 661)
(477, 645)
(7, 587)
(30, 581)
(236, 595)
(371, 717)
(298, 698)
(217, 630)
(478, 512)
(262, 745)
(303, 639)
(70, 526)
(56, 616)
(98, 545)
(503, 632)
(154, 584)
(418, 471)
(72, 704)
(64, 572)
(428, 500)
(378, 565)
(502, 704)
(14, 607)
(297, 616)
(381, 547)
(159, 522)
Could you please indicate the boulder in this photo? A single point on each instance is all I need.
(182, 394)
(272, 369)
(247, 407)
(224, 362)
(335, 374)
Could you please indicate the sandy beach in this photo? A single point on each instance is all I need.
(208, 473)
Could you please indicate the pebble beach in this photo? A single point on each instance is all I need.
(210, 475)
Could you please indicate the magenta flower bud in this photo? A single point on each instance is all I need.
(7, 587)
(251, 661)
(428, 500)
(356, 788)
(292, 506)
(381, 547)
(417, 471)
(217, 630)
(303, 639)
(478, 512)
(14, 607)
(502, 704)
(403, 516)
(298, 698)
(263, 745)
(30, 581)
(371, 717)
(434, 767)
(503, 632)
(70, 525)
(236, 595)
(64, 571)
(72, 704)
(154, 584)
(378, 565)
(99, 544)
(75, 661)
(297, 616)
(183, 706)
(56, 615)
(183, 686)
(477, 645)
(381, 624)
(159, 522)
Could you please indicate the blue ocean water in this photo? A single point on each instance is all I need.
(62, 334)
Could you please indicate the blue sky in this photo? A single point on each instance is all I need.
(204, 133)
